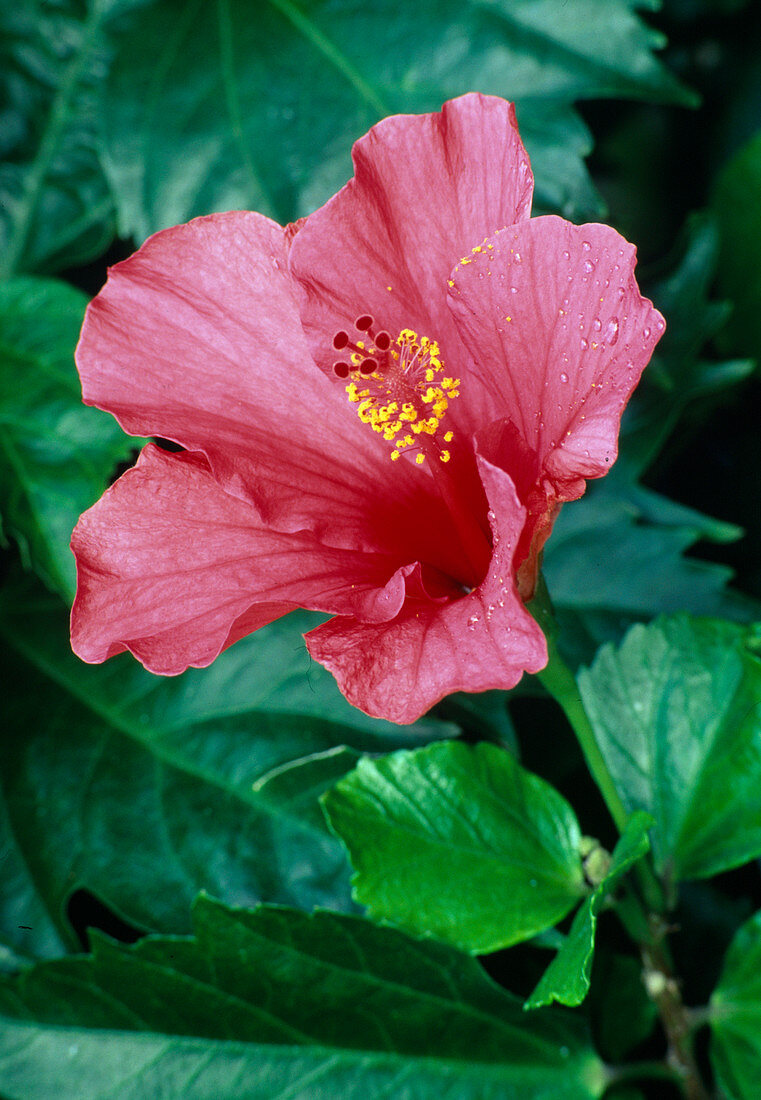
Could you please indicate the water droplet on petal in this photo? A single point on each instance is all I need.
(564, 377)
(472, 621)
(597, 324)
(646, 332)
(611, 331)
(586, 245)
(566, 254)
(588, 267)
(584, 344)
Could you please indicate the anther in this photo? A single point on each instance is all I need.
(383, 341)
(340, 340)
(367, 366)
(341, 370)
(364, 323)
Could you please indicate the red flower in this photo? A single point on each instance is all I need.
(489, 358)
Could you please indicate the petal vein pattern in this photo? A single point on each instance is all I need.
(382, 408)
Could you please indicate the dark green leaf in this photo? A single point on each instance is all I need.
(140, 788)
(678, 375)
(460, 843)
(228, 105)
(621, 549)
(622, 1014)
(57, 454)
(566, 979)
(735, 1014)
(55, 206)
(275, 1003)
(676, 711)
(737, 206)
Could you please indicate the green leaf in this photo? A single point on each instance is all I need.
(621, 549)
(140, 788)
(735, 1015)
(55, 207)
(566, 979)
(676, 711)
(277, 1003)
(460, 843)
(621, 1012)
(57, 454)
(737, 207)
(679, 376)
(228, 105)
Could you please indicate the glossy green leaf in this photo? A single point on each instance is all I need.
(227, 104)
(566, 979)
(140, 788)
(57, 454)
(676, 711)
(460, 843)
(737, 207)
(275, 1003)
(55, 205)
(735, 1015)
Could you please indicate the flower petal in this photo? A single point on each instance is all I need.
(553, 315)
(173, 568)
(197, 338)
(487, 639)
(427, 188)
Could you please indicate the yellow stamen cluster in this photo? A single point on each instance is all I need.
(404, 399)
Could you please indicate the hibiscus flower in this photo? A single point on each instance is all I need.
(381, 409)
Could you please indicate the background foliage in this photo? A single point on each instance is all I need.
(163, 812)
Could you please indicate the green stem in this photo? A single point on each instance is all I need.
(561, 684)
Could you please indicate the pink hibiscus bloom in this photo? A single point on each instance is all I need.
(382, 407)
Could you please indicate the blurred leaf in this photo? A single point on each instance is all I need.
(229, 105)
(55, 207)
(737, 206)
(58, 455)
(460, 843)
(679, 375)
(566, 979)
(622, 1014)
(621, 549)
(275, 1003)
(735, 1015)
(676, 711)
(482, 715)
(139, 788)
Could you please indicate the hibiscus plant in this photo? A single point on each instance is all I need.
(397, 744)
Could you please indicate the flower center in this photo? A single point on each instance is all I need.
(399, 387)
(401, 390)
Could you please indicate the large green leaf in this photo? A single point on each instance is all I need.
(621, 549)
(140, 789)
(55, 206)
(735, 1015)
(228, 104)
(57, 454)
(566, 979)
(276, 1003)
(676, 711)
(460, 843)
(737, 207)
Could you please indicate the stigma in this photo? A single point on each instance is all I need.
(399, 386)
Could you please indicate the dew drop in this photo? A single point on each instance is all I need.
(584, 344)
(611, 331)
(586, 245)
(588, 267)
(646, 332)
(513, 289)
(564, 377)
(472, 621)
(566, 254)
(597, 324)
(491, 516)
(518, 257)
